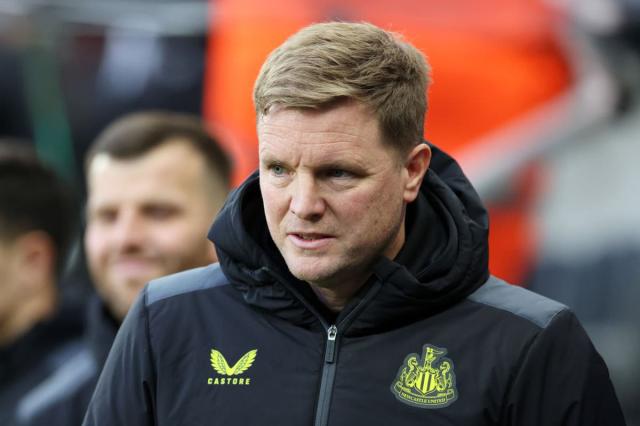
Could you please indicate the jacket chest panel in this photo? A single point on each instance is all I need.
(246, 372)
(432, 371)
(263, 370)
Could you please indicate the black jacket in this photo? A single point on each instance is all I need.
(63, 398)
(29, 361)
(430, 339)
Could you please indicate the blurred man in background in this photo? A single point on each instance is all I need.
(155, 181)
(36, 222)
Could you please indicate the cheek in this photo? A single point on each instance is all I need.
(95, 245)
(373, 208)
(179, 238)
(171, 240)
(362, 205)
(275, 205)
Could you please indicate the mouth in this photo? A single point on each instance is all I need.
(309, 241)
(133, 265)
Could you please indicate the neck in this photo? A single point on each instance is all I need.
(337, 298)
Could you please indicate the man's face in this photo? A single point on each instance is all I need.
(9, 283)
(147, 217)
(334, 195)
(27, 282)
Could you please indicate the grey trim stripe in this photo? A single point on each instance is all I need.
(517, 300)
(63, 382)
(185, 282)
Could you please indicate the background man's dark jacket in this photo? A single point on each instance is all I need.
(430, 339)
(31, 359)
(63, 397)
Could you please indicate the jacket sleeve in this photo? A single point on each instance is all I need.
(562, 381)
(125, 393)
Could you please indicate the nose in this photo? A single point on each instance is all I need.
(128, 234)
(307, 202)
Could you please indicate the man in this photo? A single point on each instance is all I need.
(155, 182)
(36, 223)
(353, 286)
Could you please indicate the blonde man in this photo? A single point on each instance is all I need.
(353, 286)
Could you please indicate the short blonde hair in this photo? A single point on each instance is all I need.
(327, 63)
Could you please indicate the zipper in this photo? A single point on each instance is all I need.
(330, 352)
(328, 376)
(331, 347)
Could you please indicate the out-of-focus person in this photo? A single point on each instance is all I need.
(155, 181)
(36, 225)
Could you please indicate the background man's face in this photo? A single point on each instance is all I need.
(147, 217)
(27, 282)
(333, 193)
(9, 283)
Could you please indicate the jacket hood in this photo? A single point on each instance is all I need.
(444, 258)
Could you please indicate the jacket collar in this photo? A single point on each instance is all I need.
(101, 330)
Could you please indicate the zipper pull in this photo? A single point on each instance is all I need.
(330, 353)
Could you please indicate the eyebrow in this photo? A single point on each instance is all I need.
(270, 160)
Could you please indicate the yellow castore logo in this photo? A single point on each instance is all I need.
(221, 366)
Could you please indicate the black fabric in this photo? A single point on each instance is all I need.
(25, 363)
(68, 407)
(101, 330)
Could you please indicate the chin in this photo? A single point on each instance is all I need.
(311, 273)
(133, 284)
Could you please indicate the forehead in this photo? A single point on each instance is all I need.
(348, 129)
(173, 169)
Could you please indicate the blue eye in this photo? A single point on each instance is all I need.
(338, 173)
(277, 170)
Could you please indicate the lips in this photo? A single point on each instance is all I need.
(133, 266)
(309, 241)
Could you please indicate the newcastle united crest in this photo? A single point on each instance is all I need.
(426, 382)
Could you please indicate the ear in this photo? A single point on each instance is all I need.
(416, 165)
(36, 257)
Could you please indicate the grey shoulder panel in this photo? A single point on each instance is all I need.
(517, 300)
(63, 383)
(185, 282)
